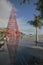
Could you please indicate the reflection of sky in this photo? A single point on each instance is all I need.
(23, 14)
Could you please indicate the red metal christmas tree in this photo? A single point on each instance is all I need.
(12, 28)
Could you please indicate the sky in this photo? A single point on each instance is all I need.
(23, 12)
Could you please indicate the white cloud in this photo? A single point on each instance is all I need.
(3, 23)
(5, 8)
(21, 23)
(24, 27)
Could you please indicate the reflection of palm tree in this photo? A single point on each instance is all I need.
(36, 23)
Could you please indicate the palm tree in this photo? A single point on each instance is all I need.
(40, 7)
(23, 1)
(36, 23)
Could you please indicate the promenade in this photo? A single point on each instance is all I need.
(19, 52)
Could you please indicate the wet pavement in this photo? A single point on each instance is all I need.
(15, 53)
(18, 55)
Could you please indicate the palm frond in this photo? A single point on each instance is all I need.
(40, 7)
(30, 22)
(22, 1)
(37, 22)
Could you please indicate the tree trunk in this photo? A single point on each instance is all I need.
(36, 36)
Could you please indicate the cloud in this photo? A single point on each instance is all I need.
(21, 22)
(27, 28)
(5, 8)
(24, 27)
(3, 23)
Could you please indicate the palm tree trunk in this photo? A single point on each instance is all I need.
(36, 36)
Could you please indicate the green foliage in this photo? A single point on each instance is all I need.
(37, 22)
(22, 33)
(2, 33)
(23, 1)
(40, 7)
